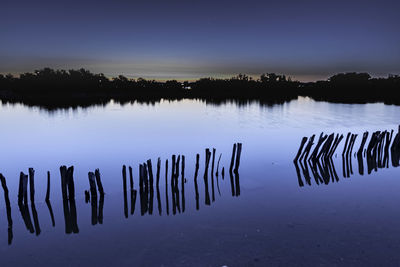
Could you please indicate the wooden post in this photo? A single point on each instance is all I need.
(158, 171)
(207, 194)
(303, 141)
(335, 146)
(150, 171)
(92, 183)
(239, 151)
(8, 208)
(212, 176)
(151, 179)
(87, 196)
(213, 160)
(233, 157)
(364, 140)
(219, 158)
(63, 173)
(98, 181)
(331, 147)
(346, 143)
(48, 187)
(183, 184)
(166, 186)
(32, 184)
(326, 146)
(93, 199)
(196, 188)
(321, 139)
(25, 188)
(173, 184)
(308, 148)
(125, 191)
(70, 181)
(21, 187)
(130, 178)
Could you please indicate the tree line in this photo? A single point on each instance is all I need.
(61, 88)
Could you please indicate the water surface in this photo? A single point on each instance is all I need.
(272, 221)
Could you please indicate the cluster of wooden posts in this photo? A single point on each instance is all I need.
(376, 153)
(146, 190)
(95, 185)
(175, 181)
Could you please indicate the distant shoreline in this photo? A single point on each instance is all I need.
(54, 89)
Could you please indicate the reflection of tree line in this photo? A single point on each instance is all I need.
(146, 191)
(175, 183)
(319, 164)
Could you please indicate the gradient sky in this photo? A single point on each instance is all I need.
(185, 40)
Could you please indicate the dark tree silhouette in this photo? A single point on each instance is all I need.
(52, 89)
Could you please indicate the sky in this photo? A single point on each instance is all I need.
(185, 40)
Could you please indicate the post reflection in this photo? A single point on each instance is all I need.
(380, 150)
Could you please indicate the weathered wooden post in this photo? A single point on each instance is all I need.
(70, 181)
(63, 173)
(93, 193)
(158, 171)
(196, 188)
(48, 187)
(101, 207)
(125, 191)
(306, 151)
(98, 181)
(303, 141)
(8, 208)
(92, 183)
(166, 186)
(173, 184)
(183, 184)
(321, 139)
(151, 181)
(346, 143)
(233, 157)
(364, 140)
(212, 176)
(32, 184)
(130, 178)
(207, 194)
(158, 186)
(23, 185)
(219, 159)
(335, 145)
(239, 151)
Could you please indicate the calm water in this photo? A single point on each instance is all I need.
(271, 221)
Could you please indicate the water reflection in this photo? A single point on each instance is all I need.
(95, 195)
(376, 156)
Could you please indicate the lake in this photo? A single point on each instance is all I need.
(262, 215)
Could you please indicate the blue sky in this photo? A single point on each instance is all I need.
(307, 40)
